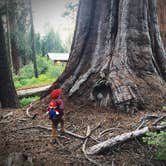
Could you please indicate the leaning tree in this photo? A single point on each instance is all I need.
(117, 57)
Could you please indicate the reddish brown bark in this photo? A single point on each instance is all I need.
(117, 56)
(161, 10)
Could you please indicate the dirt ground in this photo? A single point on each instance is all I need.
(20, 136)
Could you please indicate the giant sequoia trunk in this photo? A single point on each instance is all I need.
(8, 96)
(161, 12)
(117, 56)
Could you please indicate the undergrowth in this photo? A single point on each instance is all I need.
(158, 140)
(26, 101)
(47, 70)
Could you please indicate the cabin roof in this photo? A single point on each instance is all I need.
(58, 56)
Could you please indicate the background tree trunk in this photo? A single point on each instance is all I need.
(33, 41)
(117, 56)
(12, 16)
(8, 96)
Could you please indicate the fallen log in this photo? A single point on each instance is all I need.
(100, 147)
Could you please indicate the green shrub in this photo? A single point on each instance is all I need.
(26, 101)
(18, 84)
(164, 108)
(54, 71)
(48, 73)
(26, 72)
(159, 141)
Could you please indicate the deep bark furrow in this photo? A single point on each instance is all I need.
(81, 35)
(157, 45)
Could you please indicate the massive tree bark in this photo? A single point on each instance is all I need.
(8, 96)
(161, 12)
(117, 56)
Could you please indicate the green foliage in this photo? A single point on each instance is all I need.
(52, 43)
(164, 108)
(71, 9)
(48, 73)
(38, 44)
(69, 14)
(19, 28)
(26, 101)
(159, 141)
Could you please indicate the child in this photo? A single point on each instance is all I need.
(55, 112)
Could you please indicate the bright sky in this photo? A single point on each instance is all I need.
(49, 12)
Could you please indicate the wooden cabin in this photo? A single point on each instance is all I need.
(58, 57)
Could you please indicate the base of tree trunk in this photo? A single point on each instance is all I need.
(117, 57)
(150, 94)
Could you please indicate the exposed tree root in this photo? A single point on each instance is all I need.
(71, 133)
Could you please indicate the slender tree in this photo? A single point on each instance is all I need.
(51, 42)
(117, 56)
(33, 41)
(8, 96)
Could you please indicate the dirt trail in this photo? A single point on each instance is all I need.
(18, 135)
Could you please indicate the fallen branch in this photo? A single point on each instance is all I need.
(27, 112)
(4, 121)
(88, 133)
(100, 147)
(159, 119)
(145, 119)
(108, 130)
(71, 133)
(66, 131)
(7, 115)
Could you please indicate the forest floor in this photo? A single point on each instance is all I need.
(19, 134)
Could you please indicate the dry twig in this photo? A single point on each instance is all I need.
(159, 119)
(107, 130)
(144, 120)
(7, 115)
(27, 111)
(88, 133)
